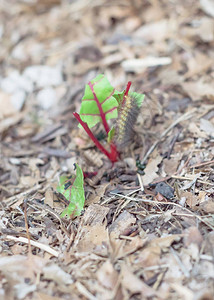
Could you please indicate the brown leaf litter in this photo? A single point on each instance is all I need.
(133, 240)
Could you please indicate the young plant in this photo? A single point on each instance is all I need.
(73, 191)
(100, 103)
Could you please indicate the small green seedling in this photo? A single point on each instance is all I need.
(72, 189)
(100, 103)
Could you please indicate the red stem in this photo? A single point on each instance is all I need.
(126, 91)
(114, 153)
(102, 114)
(111, 155)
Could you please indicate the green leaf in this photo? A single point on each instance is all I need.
(138, 98)
(72, 188)
(98, 99)
(111, 135)
(119, 96)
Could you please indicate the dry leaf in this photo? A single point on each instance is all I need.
(133, 284)
(193, 235)
(208, 206)
(198, 90)
(208, 7)
(139, 65)
(107, 275)
(151, 170)
(49, 197)
(207, 126)
(121, 224)
(55, 273)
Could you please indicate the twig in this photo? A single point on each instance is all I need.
(26, 225)
(140, 182)
(173, 144)
(29, 191)
(202, 164)
(190, 179)
(167, 203)
(33, 243)
(184, 117)
(183, 269)
(82, 289)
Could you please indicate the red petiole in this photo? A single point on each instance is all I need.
(102, 114)
(126, 91)
(113, 154)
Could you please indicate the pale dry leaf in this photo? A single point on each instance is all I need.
(208, 206)
(174, 272)
(149, 256)
(198, 90)
(11, 121)
(207, 126)
(191, 199)
(98, 194)
(206, 30)
(47, 98)
(42, 296)
(92, 231)
(27, 181)
(155, 31)
(133, 245)
(122, 248)
(44, 76)
(166, 241)
(93, 237)
(6, 107)
(133, 284)
(121, 224)
(15, 266)
(107, 275)
(151, 169)
(139, 65)
(23, 289)
(55, 273)
(206, 269)
(49, 197)
(208, 7)
(183, 291)
(170, 166)
(95, 215)
(202, 196)
(193, 235)
(196, 132)
(197, 64)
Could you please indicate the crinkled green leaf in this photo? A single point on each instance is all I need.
(72, 189)
(89, 111)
